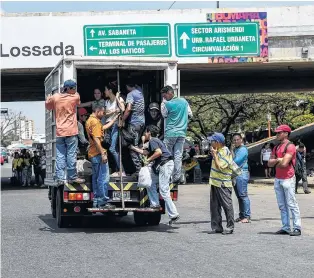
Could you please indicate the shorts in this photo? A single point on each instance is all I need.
(265, 164)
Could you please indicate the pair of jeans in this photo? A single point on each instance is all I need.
(37, 171)
(163, 178)
(27, 175)
(285, 193)
(175, 147)
(66, 157)
(100, 180)
(221, 197)
(112, 136)
(136, 132)
(241, 190)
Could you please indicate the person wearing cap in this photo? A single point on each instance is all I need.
(82, 135)
(134, 114)
(176, 112)
(220, 185)
(155, 118)
(65, 106)
(283, 158)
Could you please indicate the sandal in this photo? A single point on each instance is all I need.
(239, 219)
(245, 220)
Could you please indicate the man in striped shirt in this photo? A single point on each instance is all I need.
(220, 185)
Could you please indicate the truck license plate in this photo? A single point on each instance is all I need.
(116, 195)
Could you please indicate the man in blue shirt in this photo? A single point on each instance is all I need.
(176, 112)
(134, 114)
(240, 157)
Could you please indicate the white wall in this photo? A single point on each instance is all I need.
(19, 30)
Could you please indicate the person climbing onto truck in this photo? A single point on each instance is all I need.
(134, 114)
(98, 156)
(65, 106)
(176, 112)
(162, 168)
(155, 118)
(113, 105)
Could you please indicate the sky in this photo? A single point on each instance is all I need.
(36, 110)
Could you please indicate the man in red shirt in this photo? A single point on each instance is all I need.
(64, 104)
(284, 158)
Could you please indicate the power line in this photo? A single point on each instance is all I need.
(172, 5)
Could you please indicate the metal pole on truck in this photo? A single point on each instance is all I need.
(120, 148)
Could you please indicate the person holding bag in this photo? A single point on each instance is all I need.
(161, 162)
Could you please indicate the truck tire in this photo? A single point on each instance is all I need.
(140, 218)
(154, 218)
(62, 221)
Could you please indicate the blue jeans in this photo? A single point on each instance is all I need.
(241, 190)
(113, 133)
(175, 147)
(163, 179)
(285, 193)
(66, 157)
(100, 181)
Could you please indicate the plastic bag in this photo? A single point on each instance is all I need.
(236, 170)
(145, 177)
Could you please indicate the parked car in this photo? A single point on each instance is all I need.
(5, 156)
(1, 160)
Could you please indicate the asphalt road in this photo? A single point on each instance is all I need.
(33, 246)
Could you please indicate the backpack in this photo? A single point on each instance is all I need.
(299, 169)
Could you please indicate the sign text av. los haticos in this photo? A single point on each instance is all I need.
(217, 39)
(127, 40)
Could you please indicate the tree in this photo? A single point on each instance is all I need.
(230, 113)
(9, 126)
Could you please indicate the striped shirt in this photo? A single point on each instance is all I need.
(222, 175)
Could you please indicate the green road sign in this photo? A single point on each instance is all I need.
(127, 40)
(217, 39)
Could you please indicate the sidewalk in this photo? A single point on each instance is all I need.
(259, 180)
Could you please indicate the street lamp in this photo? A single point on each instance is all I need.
(268, 123)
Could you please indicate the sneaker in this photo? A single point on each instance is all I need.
(295, 232)
(174, 220)
(282, 232)
(307, 192)
(43, 186)
(35, 184)
(77, 180)
(215, 232)
(227, 232)
(155, 207)
(115, 175)
(107, 206)
(23, 184)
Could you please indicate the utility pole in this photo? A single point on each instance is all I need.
(217, 4)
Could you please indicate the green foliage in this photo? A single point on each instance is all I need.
(248, 112)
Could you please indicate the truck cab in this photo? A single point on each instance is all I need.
(71, 202)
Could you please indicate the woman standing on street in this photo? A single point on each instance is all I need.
(240, 157)
(265, 156)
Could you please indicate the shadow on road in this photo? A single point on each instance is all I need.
(103, 224)
(6, 185)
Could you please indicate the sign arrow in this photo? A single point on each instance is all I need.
(184, 37)
(92, 32)
(92, 48)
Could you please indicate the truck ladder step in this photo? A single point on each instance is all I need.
(125, 209)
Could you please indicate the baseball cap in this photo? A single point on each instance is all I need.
(69, 84)
(82, 111)
(154, 105)
(218, 137)
(283, 128)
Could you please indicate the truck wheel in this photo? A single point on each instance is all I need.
(154, 218)
(62, 221)
(140, 219)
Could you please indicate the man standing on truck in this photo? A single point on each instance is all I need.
(98, 156)
(65, 105)
(176, 112)
(283, 158)
(162, 169)
(134, 114)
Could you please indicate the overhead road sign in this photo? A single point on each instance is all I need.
(128, 40)
(217, 39)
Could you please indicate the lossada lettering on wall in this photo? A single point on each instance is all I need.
(36, 50)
